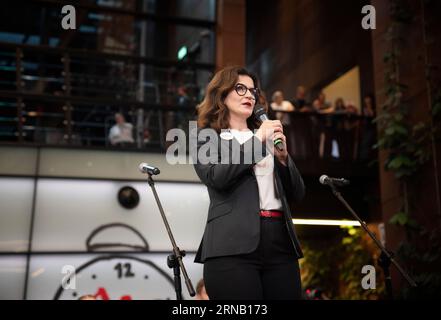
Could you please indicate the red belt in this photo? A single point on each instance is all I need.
(271, 213)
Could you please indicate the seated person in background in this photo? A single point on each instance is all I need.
(201, 293)
(122, 132)
(279, 104)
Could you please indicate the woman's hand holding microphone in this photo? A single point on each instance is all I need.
(269, 131)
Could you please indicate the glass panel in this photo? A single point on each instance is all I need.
(114, 32)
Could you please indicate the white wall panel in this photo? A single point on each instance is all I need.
(68, 210)
(15, 213)
(110, 165)
(12, 276)
(18, 161)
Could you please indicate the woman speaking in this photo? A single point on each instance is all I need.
(249, 248)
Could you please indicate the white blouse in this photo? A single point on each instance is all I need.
(264, 171)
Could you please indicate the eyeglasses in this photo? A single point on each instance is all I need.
(242, 89)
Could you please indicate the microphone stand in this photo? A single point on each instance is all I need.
(174, 260)
(386, 257)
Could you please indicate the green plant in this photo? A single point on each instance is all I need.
(358, 252)
(335, 266)
(318, 266)
(408, 148)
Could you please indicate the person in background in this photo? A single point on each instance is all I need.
(299, 102)
(281, 108)
(367, 128)
(320, 104)
(304, 126)
(323, 124)
(339, 106)
(182, 100)
(337, 132)
(368, 109)
(351, 109)
(121, 134)
(280, 104)
(351, 127)
(201, 293)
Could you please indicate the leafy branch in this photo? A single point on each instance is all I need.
(408, 147)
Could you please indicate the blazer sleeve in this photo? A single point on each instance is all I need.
(222, 176)
(291, 179)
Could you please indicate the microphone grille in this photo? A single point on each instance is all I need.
(259, 110)
(323, 178)
(141, 166)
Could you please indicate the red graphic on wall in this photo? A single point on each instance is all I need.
(102, 293)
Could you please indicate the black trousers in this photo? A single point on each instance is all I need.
(271, 272)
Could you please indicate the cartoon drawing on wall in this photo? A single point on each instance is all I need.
(115, 276)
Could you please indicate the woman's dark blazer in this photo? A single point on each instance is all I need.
(233, 222)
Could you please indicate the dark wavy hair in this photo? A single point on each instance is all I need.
(212, 111)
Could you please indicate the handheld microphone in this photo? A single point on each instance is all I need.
(145, 168)
(341, 182)
(260, 114)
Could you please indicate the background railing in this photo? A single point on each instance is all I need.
(69, 97)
